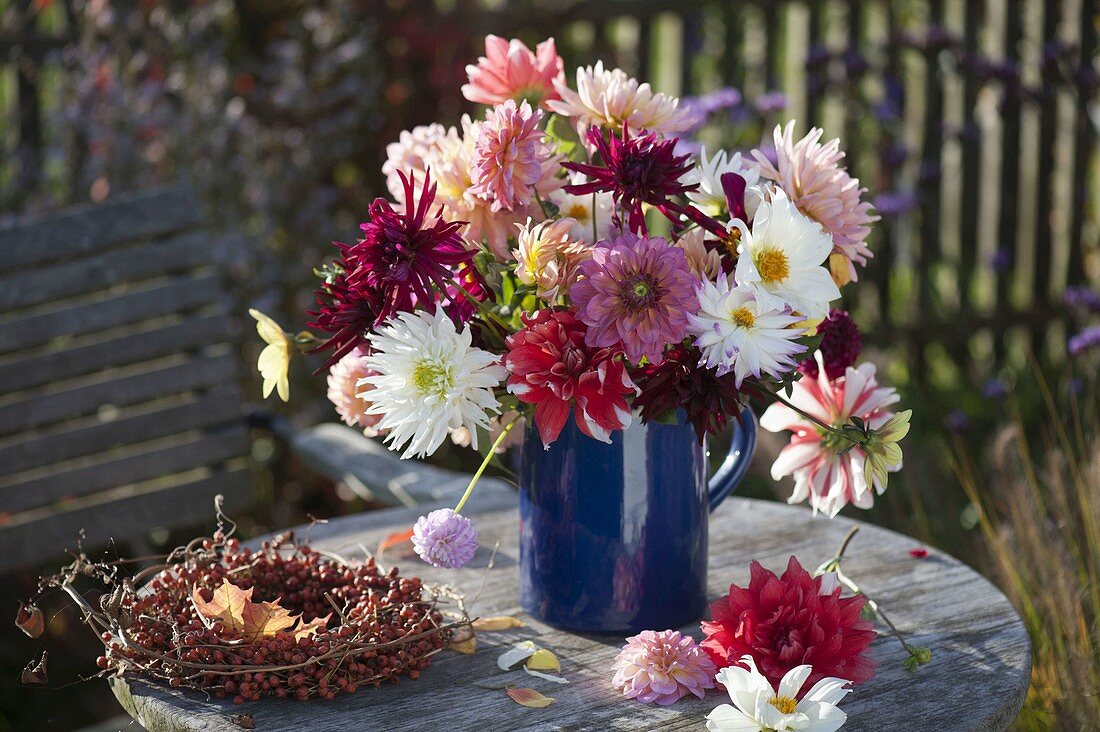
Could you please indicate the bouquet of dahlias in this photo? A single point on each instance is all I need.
(559, 257)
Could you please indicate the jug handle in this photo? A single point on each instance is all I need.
(737, 460)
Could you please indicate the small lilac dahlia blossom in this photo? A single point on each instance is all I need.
(662, 667)
(445, 539)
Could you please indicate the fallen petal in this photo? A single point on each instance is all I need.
(548, 677)
(529, 698)
(543, 660)
(520, 652)
(497, 622)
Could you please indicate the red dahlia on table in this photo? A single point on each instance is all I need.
(788, 621)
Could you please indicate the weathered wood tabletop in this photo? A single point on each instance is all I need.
(977, 679)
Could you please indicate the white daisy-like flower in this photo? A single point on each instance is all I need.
(781, 258)
(582, 209)
(429, 381)
(609, 97)
(757, 707)
(709, 197)
(739, 333)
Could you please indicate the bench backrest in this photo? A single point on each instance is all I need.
(119, 405)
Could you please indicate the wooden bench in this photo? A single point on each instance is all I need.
(120, 410)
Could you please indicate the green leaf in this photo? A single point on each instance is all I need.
(668, 416)
(564, 138)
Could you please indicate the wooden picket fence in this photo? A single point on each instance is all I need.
(968, 120)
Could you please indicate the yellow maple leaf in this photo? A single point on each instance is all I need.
(236, 610)
(306, 630)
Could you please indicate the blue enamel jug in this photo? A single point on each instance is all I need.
(613, 537)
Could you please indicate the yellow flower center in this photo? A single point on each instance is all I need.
(641, 289)
(733, 238)
(772, 265)
(578, 211)
(430, 378)
(784, 704)
(743, 317)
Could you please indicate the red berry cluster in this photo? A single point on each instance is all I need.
(380, 626)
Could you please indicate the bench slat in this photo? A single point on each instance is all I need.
(208, 449)
(42, 410)
(97, 227)
(121, 517)
(175, 254)
(175, 296)
(130, 349)
(219, 406)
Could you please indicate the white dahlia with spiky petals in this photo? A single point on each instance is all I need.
(737, 333)
(781, 258)
(810, 173)
(429, 381)
(609, 98)
(710, 197)
(828, 470)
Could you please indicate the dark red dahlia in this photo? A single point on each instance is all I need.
(678, 382)
(840, 346)
(636, 170)
(402, 254)
(347, 313)
(787, 621)
(551, 367)
(459, 304)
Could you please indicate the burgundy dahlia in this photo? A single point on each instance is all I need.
(787, 621)
(635, 170)
(840, 346)
(402, 254)
(347, 313)
(550, 366)
(678, 382)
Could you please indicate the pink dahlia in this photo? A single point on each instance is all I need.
(346, 395)
(409, 155)
(510, 156)
(662, 668)
(828, 469)
(635, 171)
(789, 621)
(635, 292)
(404, 253)
(551, 367)
(810, 174)
(509, 70)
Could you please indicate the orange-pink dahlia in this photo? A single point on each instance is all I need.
(510, 70)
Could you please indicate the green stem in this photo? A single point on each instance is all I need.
(490, 317)
(847, 582)
(827, 427)
(484, 464)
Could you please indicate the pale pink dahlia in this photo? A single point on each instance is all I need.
(510, 156)
(810, 173)
(662, 667)
(548, 257)
(344, 391)
(637, 292)
(408, 156)
(509, 70)
(827, 469)
(610, 98)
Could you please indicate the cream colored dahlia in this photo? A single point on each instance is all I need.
(608, 98)
(810, 173)
(709, 197)
(547, 256)
(705, 263)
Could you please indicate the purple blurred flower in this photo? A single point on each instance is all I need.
(817, 55)
(995, 389)
(895, 203)
(1087, 339)
(957, 420)
(1080, 297)
(773, 101)
(444, 538)
(715, 101)
(1001, 261)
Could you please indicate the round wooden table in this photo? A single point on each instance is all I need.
(977, 679)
